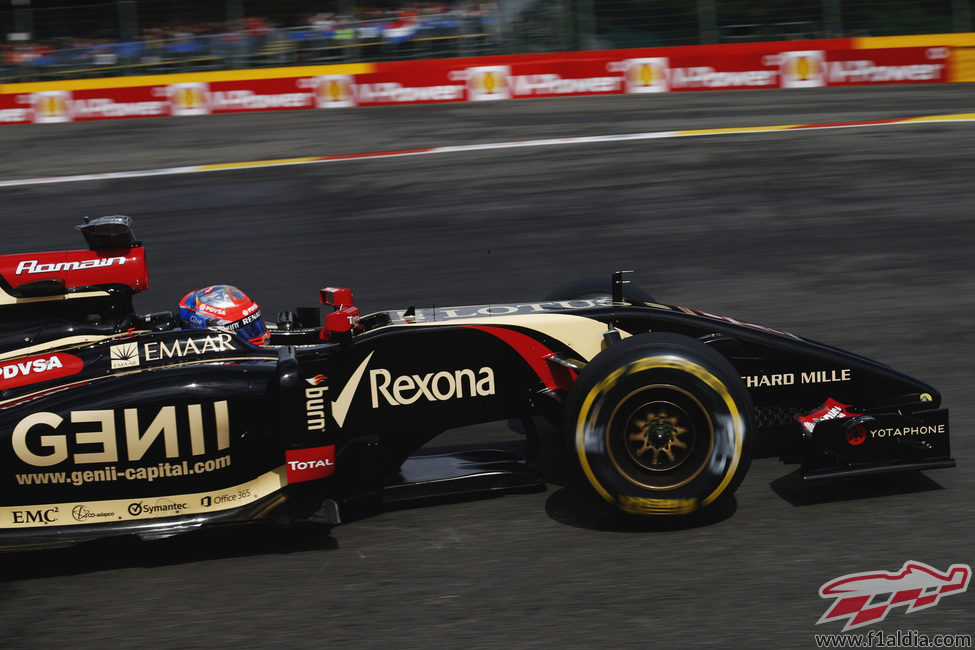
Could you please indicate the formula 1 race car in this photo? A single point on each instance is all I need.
(113, 423)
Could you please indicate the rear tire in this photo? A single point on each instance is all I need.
(660, 424)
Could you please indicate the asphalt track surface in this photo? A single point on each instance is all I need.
(860, 237)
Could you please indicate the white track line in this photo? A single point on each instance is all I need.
(652, 135)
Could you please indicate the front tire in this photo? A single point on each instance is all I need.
(660, 424)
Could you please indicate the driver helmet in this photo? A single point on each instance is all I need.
(225, 307)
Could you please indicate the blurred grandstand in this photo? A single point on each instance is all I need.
(57, 39)
(62, 39)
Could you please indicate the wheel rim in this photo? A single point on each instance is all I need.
(660, 437)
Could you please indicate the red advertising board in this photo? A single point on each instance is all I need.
(893, 66)
(802, 64)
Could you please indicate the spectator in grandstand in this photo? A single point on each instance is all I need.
(158, 43)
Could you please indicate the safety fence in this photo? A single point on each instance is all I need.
(49, 39)
(247, 43)
(783, 64)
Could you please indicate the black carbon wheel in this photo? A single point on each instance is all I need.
(597, 288)
(660, 424)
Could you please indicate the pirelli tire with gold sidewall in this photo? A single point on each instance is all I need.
(660, 424)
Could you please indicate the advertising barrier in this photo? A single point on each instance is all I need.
(791, 64)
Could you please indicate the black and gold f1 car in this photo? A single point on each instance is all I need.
(114, 423)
